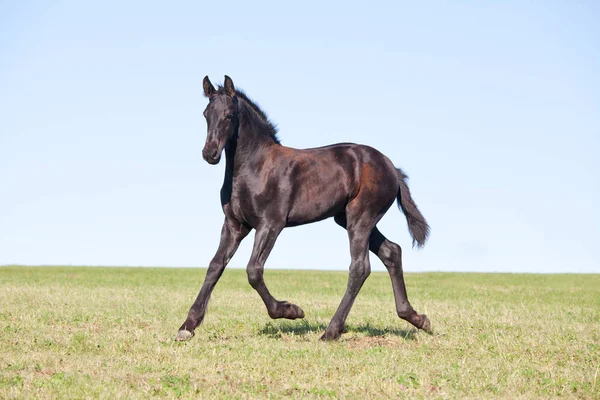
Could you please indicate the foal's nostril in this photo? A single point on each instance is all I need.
(214, 154)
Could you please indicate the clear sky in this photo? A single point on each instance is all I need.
(492, 108)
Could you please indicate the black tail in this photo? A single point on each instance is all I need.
(417, 225)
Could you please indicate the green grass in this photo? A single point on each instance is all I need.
(68, 332)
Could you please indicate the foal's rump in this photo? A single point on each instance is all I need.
(322, 181)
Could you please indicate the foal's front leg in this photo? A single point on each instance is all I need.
(264, 240)
(232, 234)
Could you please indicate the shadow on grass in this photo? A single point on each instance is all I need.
(300, 328)
(369, 330)
(303, 327)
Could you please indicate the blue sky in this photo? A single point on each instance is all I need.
(492, 108)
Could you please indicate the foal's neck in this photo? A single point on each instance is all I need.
(247, 146)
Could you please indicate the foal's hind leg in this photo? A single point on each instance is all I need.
(391, 255)
(264, 240)
(359, 229)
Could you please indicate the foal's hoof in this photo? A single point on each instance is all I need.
(426, 326)
(330, 336)
(183, 336)
(299, 313)
(287, 310)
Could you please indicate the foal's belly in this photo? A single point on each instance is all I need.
(320, 187)
(317, 203)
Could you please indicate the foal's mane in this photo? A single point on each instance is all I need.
(253, 111)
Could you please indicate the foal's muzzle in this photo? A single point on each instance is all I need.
(211, 155)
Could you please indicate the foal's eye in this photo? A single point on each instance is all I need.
(230, 116)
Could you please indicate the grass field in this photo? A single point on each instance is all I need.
(68, 332)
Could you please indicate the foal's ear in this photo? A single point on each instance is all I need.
(209, 89)
(229, 89)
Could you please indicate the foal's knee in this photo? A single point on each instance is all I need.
(365, 271)
(255, 276)
(361, 271)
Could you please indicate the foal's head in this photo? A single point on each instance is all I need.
(221, 115)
